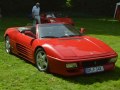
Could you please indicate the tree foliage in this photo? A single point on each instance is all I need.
(83, 6)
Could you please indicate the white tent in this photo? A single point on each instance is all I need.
(117, 4)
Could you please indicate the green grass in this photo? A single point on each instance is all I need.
(17, 74)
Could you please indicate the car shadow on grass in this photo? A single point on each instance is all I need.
(94, 78)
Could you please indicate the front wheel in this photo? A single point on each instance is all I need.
(7, 44)
(41, 60)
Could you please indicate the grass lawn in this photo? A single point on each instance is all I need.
(16, 74)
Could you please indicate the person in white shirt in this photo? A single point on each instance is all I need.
(36, 14)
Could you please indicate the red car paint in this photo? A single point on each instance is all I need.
(84, 50)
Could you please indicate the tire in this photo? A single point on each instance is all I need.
(7, 45)
(41, 60)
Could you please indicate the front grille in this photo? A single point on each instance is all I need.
(95, 63)
(72, 70)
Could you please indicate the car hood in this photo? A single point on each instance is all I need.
(80, 47)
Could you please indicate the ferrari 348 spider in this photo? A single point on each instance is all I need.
(60, 48)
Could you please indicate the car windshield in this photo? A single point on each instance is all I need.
(57, 31)
(59, 15)
(50, 15)
(55, 15)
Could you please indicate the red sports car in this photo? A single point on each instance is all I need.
(55, 18)
(60, 48)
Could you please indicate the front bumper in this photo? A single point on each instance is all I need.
(59, 67)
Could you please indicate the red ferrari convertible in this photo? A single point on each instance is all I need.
(60, 48)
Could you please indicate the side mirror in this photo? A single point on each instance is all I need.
(82, 30)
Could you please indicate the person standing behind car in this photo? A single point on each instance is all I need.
(36, 14)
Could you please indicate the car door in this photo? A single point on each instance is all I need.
(24, 45)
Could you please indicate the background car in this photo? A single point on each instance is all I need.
(56, 17)
(60, 48)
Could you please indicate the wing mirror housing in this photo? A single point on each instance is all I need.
(82, 30)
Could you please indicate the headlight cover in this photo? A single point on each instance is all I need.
(71, 65)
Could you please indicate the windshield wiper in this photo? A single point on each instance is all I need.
(70, 35)
(64, 36)
(73, 35)
(49, 37)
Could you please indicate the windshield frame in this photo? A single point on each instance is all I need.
(57, 31)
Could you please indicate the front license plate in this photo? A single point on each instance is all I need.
(94, 69)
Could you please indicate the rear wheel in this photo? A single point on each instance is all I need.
(41, 60)
(7, 44)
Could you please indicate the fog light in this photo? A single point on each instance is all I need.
(71, 65)
(113, 59)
